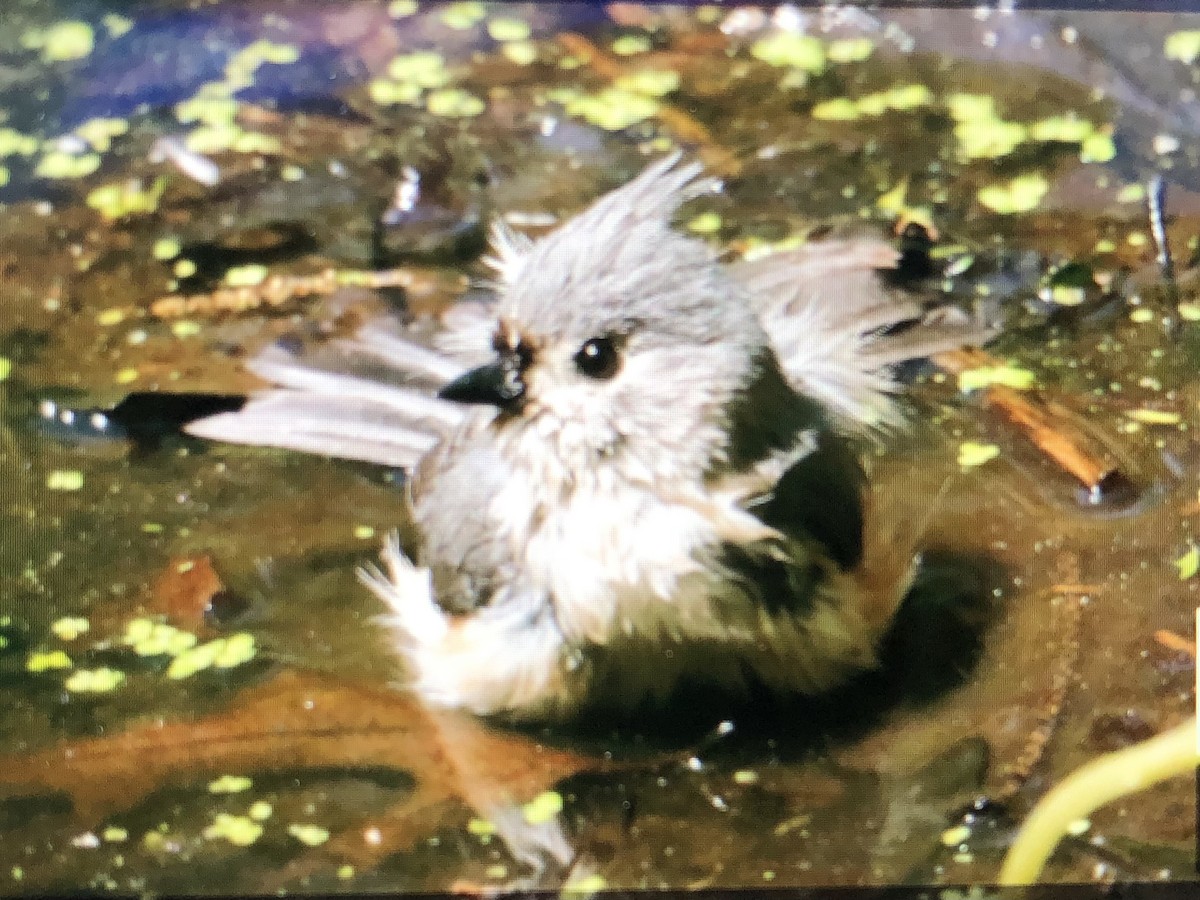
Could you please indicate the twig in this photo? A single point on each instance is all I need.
(1069, 604)
(1172, 641)
(279, 289)
(1055, 437)
(1156, 202)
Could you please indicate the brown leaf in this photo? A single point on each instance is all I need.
(184, 591)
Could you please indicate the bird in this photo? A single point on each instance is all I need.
(632, 466)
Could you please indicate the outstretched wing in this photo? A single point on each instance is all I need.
(829, 318)
(369, 397)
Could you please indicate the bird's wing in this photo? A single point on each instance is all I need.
(368, 397)
(831, 321)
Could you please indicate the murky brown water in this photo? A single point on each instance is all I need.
(1022, 170)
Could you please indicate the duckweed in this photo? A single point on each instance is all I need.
(1183, 46)
(94, 681)
(241, 831)
(48, 660)
(1131, 193)
(69, 628)
(611, 109)
(14, 143)
(185, 328)
(840, 109)
(246, 276)
(481, 827)
(64, 480)
(166, 248)
(386, 92)
(523, 53)
(651, 82)
(1189, 564)
(985, 376)
(971, 107)
(149, 638)
(543, 808)
(787, 49)
(424, 68)
(100, 132)
(116, 25)
(260, 811)
(454, 103)
(508, 30)
(117, 200)
(1097, 148)
(850, 50)
(1154, 416)
(461, 16)
(310, 835)
(989, 139)
(1021, 194)
(1068, 129)
(230, 784)
(705, 223)
(221, 653)
(60, 165)
(631, 44)
(972, 454)
(61, 42)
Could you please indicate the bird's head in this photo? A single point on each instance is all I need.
(617, 338)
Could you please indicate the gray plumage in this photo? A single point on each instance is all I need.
(660, 488)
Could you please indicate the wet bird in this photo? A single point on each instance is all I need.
(633, 466)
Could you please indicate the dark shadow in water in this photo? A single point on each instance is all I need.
(932, 647)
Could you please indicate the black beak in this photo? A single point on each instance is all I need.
(499, 384)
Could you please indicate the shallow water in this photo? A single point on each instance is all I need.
(101, 790)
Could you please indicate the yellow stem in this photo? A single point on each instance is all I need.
(1091, 786)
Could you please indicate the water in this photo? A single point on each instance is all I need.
(221, 541)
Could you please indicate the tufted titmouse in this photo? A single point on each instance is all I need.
(632, 465)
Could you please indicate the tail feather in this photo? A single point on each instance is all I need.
(405, 356)
(369, 397)
(329, 425)
(276, 367)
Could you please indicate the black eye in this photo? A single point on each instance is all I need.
(598, 358)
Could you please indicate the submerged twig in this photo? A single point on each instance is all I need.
(279, 289)
(1069, 597)
(1173, 641)
(1156, 203)
(1057, 438)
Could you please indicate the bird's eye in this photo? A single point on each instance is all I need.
(598, 358)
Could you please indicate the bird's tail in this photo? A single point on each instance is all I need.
(370, 396)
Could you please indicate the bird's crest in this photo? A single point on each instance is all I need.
(652, 197)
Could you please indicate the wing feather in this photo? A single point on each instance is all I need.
(829, 317)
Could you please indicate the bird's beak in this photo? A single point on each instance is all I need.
(499, 384)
